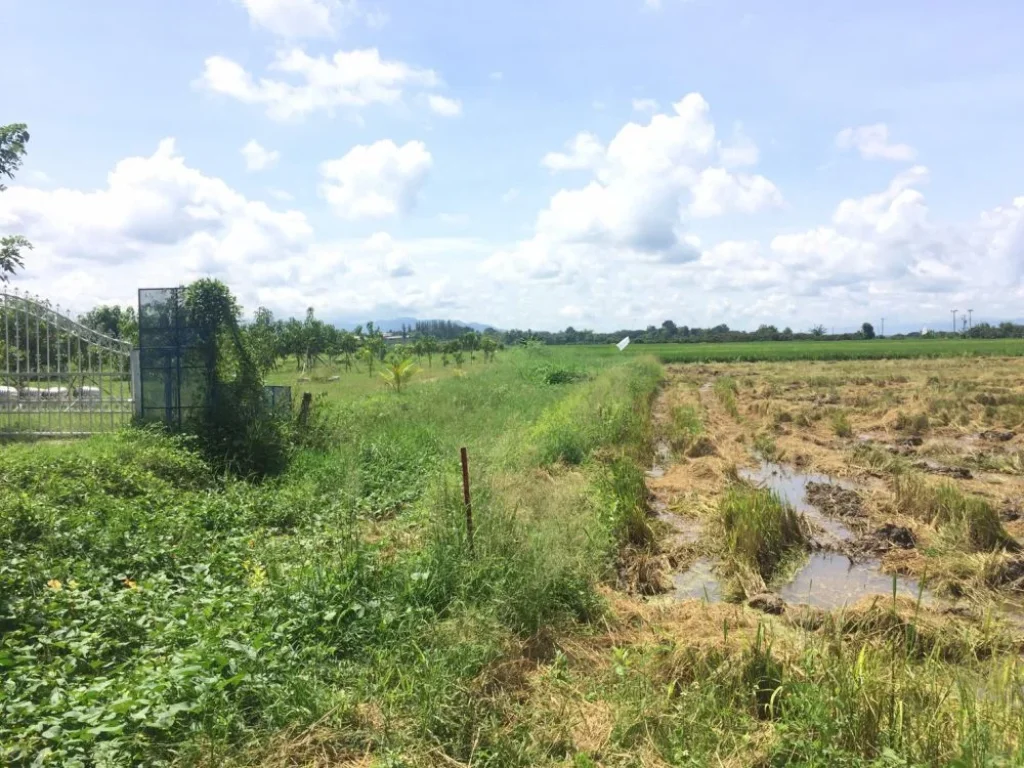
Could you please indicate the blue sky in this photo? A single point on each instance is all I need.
(605, 164)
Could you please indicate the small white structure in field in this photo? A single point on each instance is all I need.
(55, 393)
(623, 344)
(91, 394)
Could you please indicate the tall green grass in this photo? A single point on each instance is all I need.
(726, 390)
(966, 522)
(761, 531)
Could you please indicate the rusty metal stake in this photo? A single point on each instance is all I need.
(465, 497)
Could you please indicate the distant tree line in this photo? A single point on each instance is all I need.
(310, 340)
(670, 333)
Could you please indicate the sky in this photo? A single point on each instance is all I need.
(537, 164)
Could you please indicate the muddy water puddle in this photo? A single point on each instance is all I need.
(829, 579)
(698, 582)
(792, 488)
(662, 458)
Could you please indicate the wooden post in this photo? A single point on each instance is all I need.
(465, 497)
(307, 402)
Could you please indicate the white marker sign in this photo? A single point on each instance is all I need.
(623, 344)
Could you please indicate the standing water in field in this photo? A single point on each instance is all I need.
(832, 580)
(829, 579)
(792, 489)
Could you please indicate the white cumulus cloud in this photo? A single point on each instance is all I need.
(584, 151)
(872, 141)
(293, 18)
(376, 180)
(648, 185)
(348, 79)
(259, 158)
(444, 106)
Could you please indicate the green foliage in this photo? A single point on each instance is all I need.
(761, 531)
(966, 521)
(867, 331)
(156, 611)
(726, 389)
(841, 424)
(916, 423)
(237, 431)
(13, 139)
(626, 494)
(114, 321)
(686, 427)
(603, 412)
(559, 374)
(398, 373)
(766, 447)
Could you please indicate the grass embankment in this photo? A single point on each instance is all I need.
(874, 349)
(151, 612)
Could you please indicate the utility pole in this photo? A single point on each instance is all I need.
(970, 319)
(954, 319)
(882, 334)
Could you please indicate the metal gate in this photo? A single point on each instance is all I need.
(58, 377)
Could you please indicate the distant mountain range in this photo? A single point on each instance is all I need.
(396, 323)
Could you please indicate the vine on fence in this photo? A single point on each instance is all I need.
(236, 427)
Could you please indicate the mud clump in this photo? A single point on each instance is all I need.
(886, 539)
(1010, 512)
(834, 500)
(960, 473)
(702, 446)
(1011, 574)
(767, 602)
(997, 435)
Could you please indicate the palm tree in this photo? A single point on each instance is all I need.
(398, 373)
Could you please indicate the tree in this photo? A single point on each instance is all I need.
(818, 331)
(397, 374)
(261, 338)
(348, 345)
(430, 348)
(489, 346)
(868, 331)
(13, 139)
(471, 343)
(368, 357)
